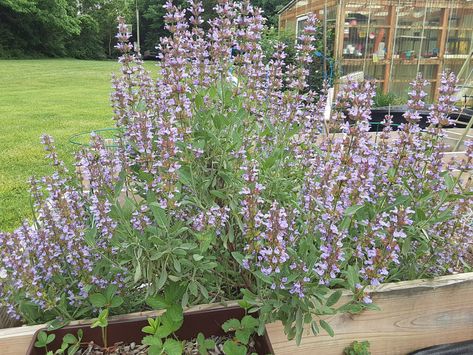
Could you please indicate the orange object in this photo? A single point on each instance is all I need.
(378, 40)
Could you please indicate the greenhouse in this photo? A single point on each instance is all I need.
(391, 41)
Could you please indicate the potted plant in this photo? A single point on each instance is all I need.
(237, 188)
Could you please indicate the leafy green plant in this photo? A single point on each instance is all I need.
(204, 344)
(70, 342)
(243, 329)
(157, 340)
(161, 327)
(382, 99)
(44, 339)
(106, 300)
(73, 342)
(102, 322)
(358, 348)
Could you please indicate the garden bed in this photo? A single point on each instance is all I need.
(15, 341)
(124, 331)
(413, 315)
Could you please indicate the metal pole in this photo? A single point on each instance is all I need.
(368, 29)
(325, 39)
(137, 26)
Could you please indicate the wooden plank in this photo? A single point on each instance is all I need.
(15, 341)
(414, 314)
(390, 46)
(444, 31)
(340, 22)
(339, 37)
(442, 41)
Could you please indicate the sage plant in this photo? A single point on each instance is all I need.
(50, 266)
(230, 182)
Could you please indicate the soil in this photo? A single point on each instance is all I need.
(190, 348)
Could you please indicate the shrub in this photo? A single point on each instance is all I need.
(389, 99)
(235, 186)
(87, 43)
(315, 79)
(50, 267)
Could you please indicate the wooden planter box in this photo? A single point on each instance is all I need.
(414, 314)
(206, 321)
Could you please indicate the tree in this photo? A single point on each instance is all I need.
(88, 43)
(152, 22)
(270, 10)
(32, 27)
(105, 13)
(87, 28)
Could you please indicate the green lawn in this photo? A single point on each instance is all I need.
(58, 97)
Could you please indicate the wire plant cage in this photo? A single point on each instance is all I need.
(111, 136)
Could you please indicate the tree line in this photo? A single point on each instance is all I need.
(86, 29)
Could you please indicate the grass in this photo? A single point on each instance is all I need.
(57, 97)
